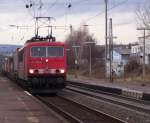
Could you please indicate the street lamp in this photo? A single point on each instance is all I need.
(90, 62)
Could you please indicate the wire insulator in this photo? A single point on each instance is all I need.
(69, 6)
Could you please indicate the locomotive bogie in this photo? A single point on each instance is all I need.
(47, 82)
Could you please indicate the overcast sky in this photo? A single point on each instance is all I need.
(91, 12)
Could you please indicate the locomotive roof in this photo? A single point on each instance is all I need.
(45, 43)
(42, 43)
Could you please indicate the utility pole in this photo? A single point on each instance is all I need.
(144, 31)
(111, 37)
(90, 66)
(106, 43)
(110, 48)
(75, 52)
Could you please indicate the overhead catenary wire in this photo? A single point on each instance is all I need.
(90, 18)
(21, 27)
(119, 4)
(76, 3)
(52, 5)
(68, 9)
(34, 6)
(70, 4)
(29, 11)
(80, 1)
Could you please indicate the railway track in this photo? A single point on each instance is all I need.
(134, 104)
(76, 112)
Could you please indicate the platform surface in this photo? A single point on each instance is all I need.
(17, 106)
(115, 84)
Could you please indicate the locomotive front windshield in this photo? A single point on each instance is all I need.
(38, 51)
(55, 51)
(52, 51)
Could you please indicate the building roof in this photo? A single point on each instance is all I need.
(123, 51)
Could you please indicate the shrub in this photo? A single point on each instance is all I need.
(133, 67)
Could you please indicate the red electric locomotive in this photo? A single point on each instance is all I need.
(41, 65)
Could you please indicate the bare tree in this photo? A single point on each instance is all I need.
(143, 14)
(78, 38)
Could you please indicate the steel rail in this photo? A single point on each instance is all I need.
(115, 99)
(73, 118)
(60, 111)
(98, 89)
(112, 118)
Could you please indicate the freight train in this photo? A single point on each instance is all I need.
(39, 65)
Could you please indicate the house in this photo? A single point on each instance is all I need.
(147, 50)
(121, 56)
(137, 50)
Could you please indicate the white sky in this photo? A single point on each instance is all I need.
(13, 12)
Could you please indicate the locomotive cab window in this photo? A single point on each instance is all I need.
(55, 51)
(38, 51)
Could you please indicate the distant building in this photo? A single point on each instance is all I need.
(147, 50)
(137, 50)
(121, 56)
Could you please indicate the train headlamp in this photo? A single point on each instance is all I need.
(46, 60)
(62, 71)
(31, 71)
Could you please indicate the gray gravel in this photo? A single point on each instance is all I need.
(126, 114)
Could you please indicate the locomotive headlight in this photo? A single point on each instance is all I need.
(46, 60)
(62, 71)
(31, 71)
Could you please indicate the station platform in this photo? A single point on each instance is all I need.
(18, 106)
(131, 89)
